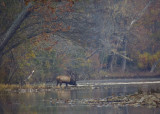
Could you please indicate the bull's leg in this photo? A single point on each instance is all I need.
(57, 83)
(66, 84)
(60, 83)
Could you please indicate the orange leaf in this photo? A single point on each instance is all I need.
(3, 4)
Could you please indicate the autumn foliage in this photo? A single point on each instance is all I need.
(146, 60)
(60, 35)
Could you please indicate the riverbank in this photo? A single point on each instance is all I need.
(115, 75)
(81, 84)
(17, 88)
(36, 88)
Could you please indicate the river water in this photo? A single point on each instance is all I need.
(55, 100)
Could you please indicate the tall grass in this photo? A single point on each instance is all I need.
(16, 87)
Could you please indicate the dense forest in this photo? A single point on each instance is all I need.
(87, 39)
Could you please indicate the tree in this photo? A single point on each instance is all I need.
(11, 31)
(8, 39)
(113, 32)
(32, 6)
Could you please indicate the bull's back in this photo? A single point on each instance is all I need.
(63, 78)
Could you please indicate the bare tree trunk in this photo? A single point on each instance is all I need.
(112, 62)
(27, 80)
(13, 70)
(16, 24)
(94, 52)
(140, 14)
(125, 54)
(154, 66)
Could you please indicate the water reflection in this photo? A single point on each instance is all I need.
(44, 102)
(63, 94)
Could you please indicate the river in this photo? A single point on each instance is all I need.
(71, 100)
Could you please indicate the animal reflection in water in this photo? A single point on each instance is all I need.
(65, 79)
(63, 94)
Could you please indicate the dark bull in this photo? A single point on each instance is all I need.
(65, 79)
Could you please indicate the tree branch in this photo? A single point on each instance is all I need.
(11, 31)
(140, 14)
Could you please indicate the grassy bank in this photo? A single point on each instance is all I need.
(16, 87)
(129, 75)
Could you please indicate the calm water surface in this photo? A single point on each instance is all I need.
(44, 102)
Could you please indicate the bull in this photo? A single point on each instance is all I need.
(65, 79)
